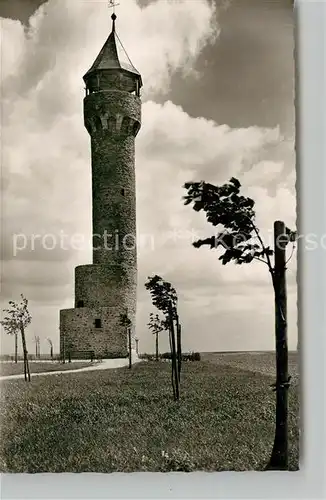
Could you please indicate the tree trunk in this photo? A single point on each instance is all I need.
(129, 341)
(51, 352)
(174, 354)
(179, 348)
(16, 347)
(172, 365)
(279, 456)
(156, 346)
(27, 368)
(26, 365)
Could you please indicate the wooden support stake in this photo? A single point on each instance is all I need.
(279, 457)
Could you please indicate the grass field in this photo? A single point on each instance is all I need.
(124, 421)
(261, 362)
(38, 367)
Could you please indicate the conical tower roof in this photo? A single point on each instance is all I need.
(113, 56)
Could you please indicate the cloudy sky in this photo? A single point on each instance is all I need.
(217, 102)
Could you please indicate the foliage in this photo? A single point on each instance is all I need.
(125, 320)
(162, 293)
(157, 324)
(120, 421)
(165, 298)
(224, 206)
(192, 356)
(195, 356)
(18, 317)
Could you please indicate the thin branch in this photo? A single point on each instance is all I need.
(293, 247)
(261, 260)
(269, 263)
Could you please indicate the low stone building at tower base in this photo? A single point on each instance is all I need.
(80, 332)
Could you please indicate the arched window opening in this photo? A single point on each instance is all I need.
(135, 128)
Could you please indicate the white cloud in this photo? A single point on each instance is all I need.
(46, 168)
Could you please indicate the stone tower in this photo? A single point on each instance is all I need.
(107, 288)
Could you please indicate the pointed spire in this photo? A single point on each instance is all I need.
(113, 56)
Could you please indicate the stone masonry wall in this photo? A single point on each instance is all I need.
(114, 201)
(113, 120)
(114, 287)
(78, 332)
(107, 288)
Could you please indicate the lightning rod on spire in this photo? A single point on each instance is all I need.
(112, 5)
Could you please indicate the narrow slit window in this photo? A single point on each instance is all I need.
(123, 191)
(98, 123)
(98, 323)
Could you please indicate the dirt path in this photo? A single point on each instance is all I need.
(104, 365)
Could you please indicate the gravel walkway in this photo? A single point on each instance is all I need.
(104, 365)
